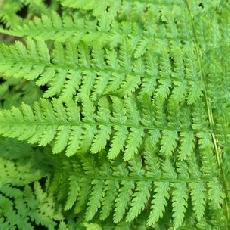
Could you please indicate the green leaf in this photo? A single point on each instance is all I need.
(179, 199)
(73, 192)
(123, 200)
(198, 199)
(140, 198)
(95, 199)
(159, 201)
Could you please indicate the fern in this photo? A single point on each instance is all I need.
(23, 201)
(8, 13)
(137, 184)
(130, 67)
(27, 206)
(114, 115)
(58, 123)
(50, 66)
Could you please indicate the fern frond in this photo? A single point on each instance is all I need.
(198, 199)
(28, 207)
(86, 71)
(24, 204)
(73, 192)
(142, 83)
(131, 187)
(63, 126)
(66, 28)
(123, 200)
(169, 143)
(159, 202)
(19, 61)
(10, 171)
(108, 201)
(105, 12)
(142, 196)
(95, 199)
(13, 156)
(8, 12)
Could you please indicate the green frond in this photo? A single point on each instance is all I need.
(77, 28)
(19, 158)
(24, 62)
(108, 201)
(63, 126)
(8, 11)
(198, 199)
(159, 202)
(73, 192)
(24, 204)
(133, 190)
(123, 200)
(179, 197)
(23, 208)
(10, 171)
(142, 196)
(95, 199)
(169, 143)
(75, 129)
(134, 95)
(91, 68)
(187, 145)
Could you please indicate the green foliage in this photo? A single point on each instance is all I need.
(114, 114)
(122, 190)
(29, 206)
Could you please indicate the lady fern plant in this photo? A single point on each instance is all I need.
(114, 114)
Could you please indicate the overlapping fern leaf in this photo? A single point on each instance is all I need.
(124, 124)
(23, 203)
(132, 97)
(141, 188)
